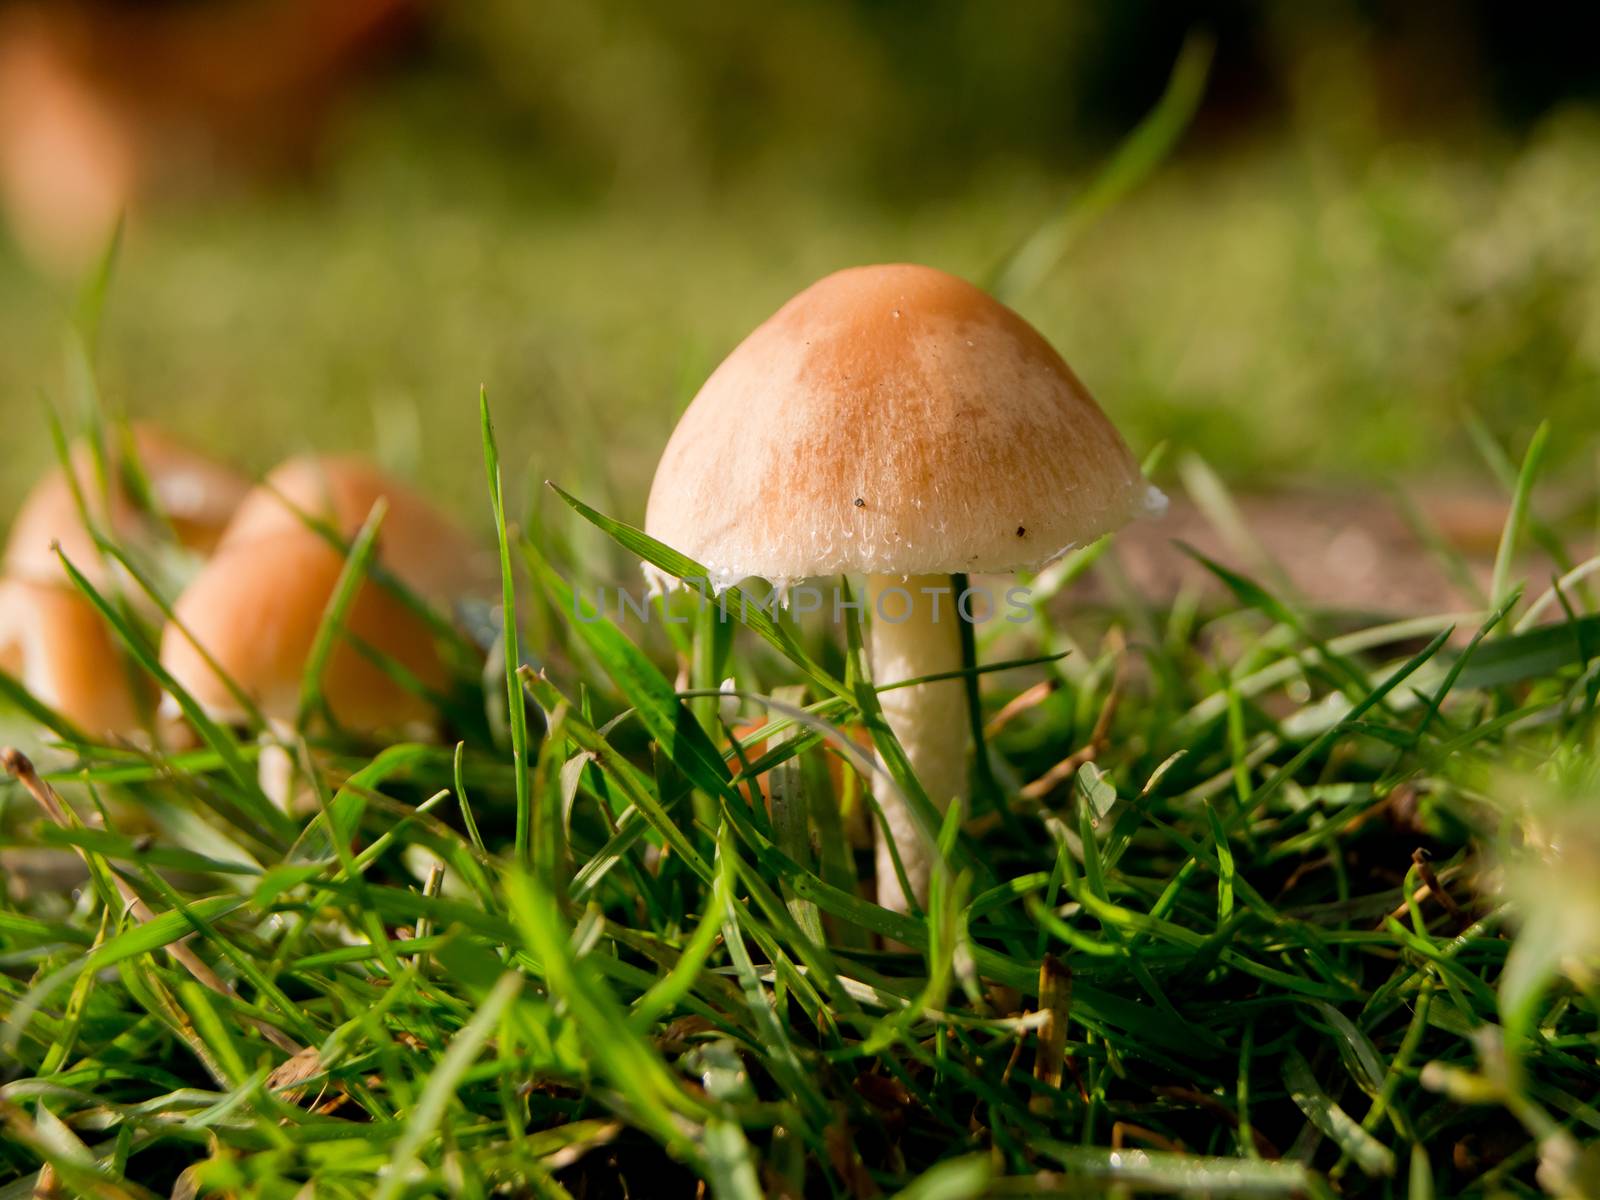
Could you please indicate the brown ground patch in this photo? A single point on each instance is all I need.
(1338, 550)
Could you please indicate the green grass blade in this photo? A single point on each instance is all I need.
(657, 1101)
(96, 287)
(1371, 1155)
(635, 789)
(516, 706)
(959, 1179)
(248, 795)
(14, 694)
(730, 1162)
(426, 1118)
(352, 576)
(142, 938)
(753, 616)
(669, 721)
(1511, 535)
(1140, 153)
(1166, 1173)
(1537, 654)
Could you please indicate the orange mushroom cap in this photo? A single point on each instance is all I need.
(891, 420)
(55, 642)
(197, 495)
(257, 605)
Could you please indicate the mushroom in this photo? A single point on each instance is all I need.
(196, 495)
(898, 423)
(257, 605)
(51, 637)
(105, 104)
(421, 546)
(256, 609)
(58, 646)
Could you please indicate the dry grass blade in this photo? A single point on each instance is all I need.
(1055, 1004)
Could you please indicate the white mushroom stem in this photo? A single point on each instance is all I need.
(916, 632)
(277, 772)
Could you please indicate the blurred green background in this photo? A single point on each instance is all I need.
(1385, 216)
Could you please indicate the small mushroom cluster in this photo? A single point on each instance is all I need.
(244, 626)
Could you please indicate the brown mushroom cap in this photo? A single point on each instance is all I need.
(57, 644)
(426, 551)
(258, 603)
(257, 606)
(197, 495)
(891, 420)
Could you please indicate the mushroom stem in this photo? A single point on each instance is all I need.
(276, 770)
(915, 632)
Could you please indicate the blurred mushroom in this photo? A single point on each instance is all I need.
(897, 422)
(67, 166)
(51, 637)
(54, 642)
(424, 549)
(102, 103)
(256, 608)
(257, 605)
(195, 494)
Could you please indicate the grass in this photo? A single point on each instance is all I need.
(1315, 914)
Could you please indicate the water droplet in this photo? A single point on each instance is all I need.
(895, 313)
